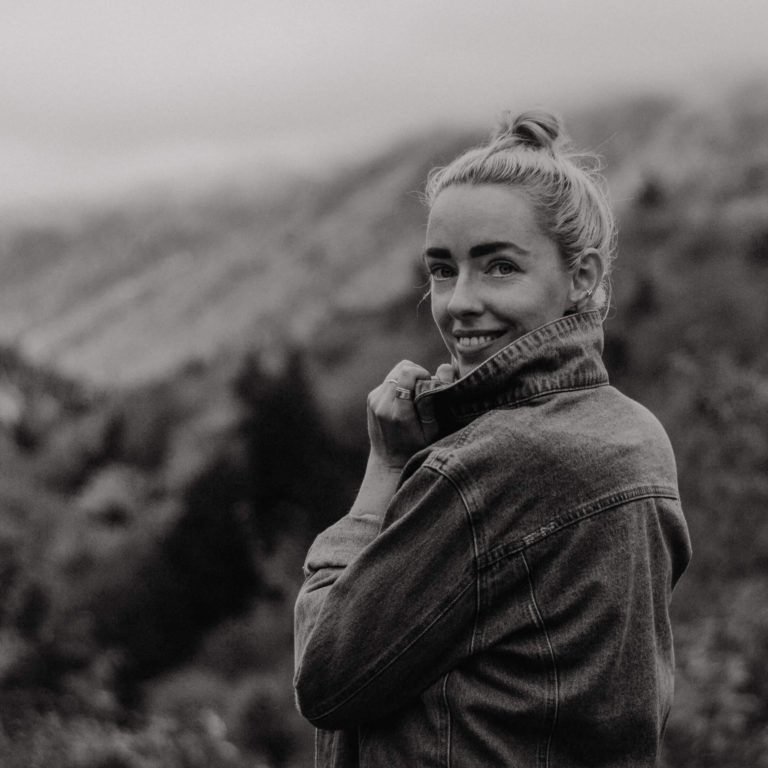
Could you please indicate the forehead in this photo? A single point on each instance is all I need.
(466, 212)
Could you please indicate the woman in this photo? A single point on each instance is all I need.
(498, 594)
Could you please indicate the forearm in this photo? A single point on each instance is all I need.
(336, 547)
(376, 490)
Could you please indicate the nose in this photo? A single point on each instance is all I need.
(465, 299)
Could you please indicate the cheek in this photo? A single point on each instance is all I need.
(437, 305)
(553, 297)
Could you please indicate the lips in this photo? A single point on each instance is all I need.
(471, 341)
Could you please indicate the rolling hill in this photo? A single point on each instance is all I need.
(182, 389)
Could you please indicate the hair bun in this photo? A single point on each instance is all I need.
(536, 129)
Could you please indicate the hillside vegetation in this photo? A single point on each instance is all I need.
(182, 395)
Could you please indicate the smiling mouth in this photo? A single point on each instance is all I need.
(476, 341)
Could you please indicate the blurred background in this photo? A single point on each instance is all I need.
(209, 235)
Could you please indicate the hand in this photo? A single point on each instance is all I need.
(394, 429)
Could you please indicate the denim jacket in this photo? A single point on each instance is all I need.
(512, 608)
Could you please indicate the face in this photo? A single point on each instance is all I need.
(494, 275)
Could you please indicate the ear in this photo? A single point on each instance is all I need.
(586, 278)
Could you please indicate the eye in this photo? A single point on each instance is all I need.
(441, 272)
(502, 268)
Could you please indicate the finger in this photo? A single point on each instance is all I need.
(407, 374)
(402, 380)
(394, 426)
(446, 373)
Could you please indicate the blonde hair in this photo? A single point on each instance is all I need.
(568, 192)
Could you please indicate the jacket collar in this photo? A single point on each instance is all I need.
(564, 354)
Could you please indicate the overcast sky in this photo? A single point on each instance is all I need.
(99, 95)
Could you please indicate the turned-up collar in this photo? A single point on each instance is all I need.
(564, 354)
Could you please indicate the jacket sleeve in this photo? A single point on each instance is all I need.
(383, 614)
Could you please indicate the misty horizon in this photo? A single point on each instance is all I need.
(103, 100)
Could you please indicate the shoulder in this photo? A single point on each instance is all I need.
(560, 422)
(518, 475)
(594, 441)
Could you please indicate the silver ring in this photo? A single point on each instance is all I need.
(403, 394)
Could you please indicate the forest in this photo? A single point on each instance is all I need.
(182, 408)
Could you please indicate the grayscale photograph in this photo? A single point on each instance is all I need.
(384, 384)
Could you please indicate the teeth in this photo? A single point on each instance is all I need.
(475, 341)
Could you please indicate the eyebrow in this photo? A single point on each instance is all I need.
(476, 251)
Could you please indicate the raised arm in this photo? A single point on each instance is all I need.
(371, 580)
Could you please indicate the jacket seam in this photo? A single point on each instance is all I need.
(580, 514)
(475, 551)
(448, 720)
(552, 657)
(509, 405)
(470, 522)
